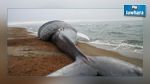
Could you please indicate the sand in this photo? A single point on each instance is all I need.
(30, 56)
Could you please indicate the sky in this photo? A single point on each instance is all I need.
(70, 3)
(70, 10)
(29, 15)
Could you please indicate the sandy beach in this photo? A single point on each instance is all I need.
(30, 56)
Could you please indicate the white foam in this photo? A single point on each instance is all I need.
(122, 48)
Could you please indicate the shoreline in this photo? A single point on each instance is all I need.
(29, 56)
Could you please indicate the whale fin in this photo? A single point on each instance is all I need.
(82, 37)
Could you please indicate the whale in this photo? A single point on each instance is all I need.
(64, 36)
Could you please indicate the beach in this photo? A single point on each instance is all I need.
(30, 56)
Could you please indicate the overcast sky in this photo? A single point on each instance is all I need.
(27, 15)
(74, 10)
(70, 3)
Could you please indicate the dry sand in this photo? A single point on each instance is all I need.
(29, 56)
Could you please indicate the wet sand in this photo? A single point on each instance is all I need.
(29, 56)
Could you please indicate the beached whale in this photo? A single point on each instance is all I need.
(65, 38)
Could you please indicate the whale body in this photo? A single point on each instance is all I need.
(64, 36)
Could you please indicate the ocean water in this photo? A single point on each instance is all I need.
(125, 37)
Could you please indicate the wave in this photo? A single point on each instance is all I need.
(116, 33)
(117, 44)
(133, 42)
(134, 51)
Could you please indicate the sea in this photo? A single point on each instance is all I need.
(124, 37)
